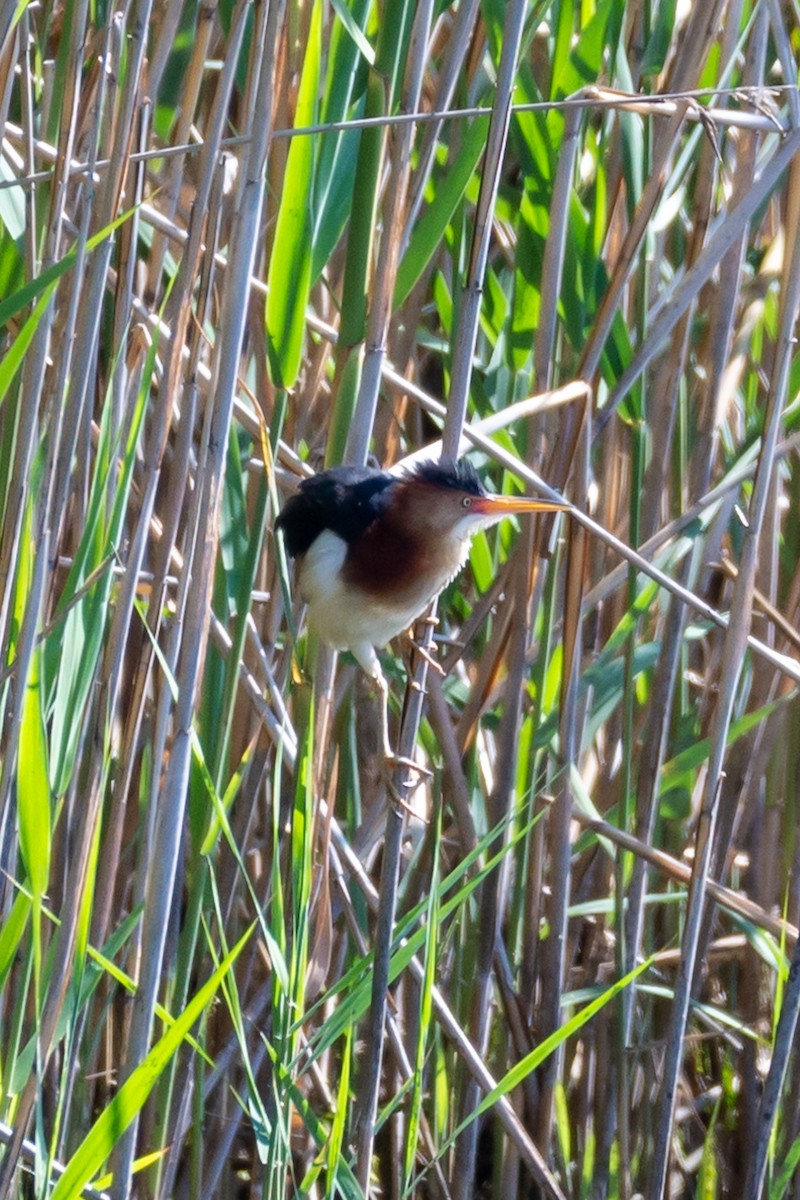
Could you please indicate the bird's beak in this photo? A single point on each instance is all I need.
(504, 506)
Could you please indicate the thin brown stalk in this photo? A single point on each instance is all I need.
(467, 332)
(735, 646)
(400, 146)
(688, 288)
(553, 268)
(475, 1064)
(174, 791)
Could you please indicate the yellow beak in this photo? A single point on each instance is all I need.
(502, 506)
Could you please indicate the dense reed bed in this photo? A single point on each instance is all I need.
(244, 240)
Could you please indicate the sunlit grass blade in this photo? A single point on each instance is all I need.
(290, 266)
(426, 1016)
(44, 282)
(13, 360)
(114, 1120)
(531, 1061)
(429, 232)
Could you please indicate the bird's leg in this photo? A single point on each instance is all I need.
(366, 656)
(382, 685)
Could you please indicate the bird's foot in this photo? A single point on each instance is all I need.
(396, 793)
(400, 795)
(393, 761)
(429, 656)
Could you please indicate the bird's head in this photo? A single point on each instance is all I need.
(448, 499)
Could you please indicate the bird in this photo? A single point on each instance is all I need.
(373, 548)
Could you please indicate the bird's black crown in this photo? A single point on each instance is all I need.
(461, 476)
(348, 500)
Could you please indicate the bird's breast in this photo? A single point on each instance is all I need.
(393, 566)
(373, 589)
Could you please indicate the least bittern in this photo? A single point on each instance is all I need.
(374, 549)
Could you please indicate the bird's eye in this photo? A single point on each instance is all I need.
(466, 502)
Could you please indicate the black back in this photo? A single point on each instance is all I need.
(345, 500)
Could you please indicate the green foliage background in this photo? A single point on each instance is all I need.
(241, 241)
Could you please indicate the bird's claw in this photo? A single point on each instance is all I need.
(429, 656)
(401, 801)
(409, 764)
